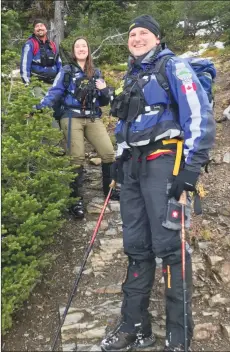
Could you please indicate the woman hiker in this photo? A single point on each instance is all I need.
(81, 90)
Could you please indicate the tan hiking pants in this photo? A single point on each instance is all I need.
(96, 134)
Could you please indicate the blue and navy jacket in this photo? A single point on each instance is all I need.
(31, 61)
(194, 121)
(71, 106)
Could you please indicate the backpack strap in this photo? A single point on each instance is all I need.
(58, 107)
(159, 70)
(35, 45)
(53, 46)
(161, 76)
(67, 76)
(162, 79)
(43, 54)
(69, 73)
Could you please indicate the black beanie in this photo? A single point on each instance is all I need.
(40, 20)
(148, 22)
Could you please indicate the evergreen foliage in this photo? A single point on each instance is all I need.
(35, 192)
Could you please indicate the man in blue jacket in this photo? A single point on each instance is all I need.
(164, 137)
(40, 59)
(39, 56)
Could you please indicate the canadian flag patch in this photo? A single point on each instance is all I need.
(188, 87)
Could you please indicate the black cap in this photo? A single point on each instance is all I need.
(40, 20)
(146, 21)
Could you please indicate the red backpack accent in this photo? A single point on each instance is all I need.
(53, 46)
(37, 46)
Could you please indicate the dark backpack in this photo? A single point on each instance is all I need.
(58, 108)
(204, 69)
(206, 72)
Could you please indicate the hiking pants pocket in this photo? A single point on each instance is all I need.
(173, 213)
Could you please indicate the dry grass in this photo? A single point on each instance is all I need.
(213, 52)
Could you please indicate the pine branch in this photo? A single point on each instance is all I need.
(11, 86)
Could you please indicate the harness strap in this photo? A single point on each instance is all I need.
(44, 55)
(144, 151)
(154, 107)
(179, 151)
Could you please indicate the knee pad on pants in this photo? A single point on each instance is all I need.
(137, 289)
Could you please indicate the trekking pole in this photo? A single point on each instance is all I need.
(183, 251)
(76, 282)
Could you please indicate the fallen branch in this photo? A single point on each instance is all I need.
(107, 38)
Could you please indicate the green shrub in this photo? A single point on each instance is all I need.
(119, 67)
(35, 192)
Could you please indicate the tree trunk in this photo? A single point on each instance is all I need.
(57, 26)
(186, 20)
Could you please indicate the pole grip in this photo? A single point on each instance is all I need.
(183, 198)
(113, 184)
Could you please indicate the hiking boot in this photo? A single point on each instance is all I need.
(120, 341)
(175, 348)
(77, 209)
(144, 341)
(123, 341)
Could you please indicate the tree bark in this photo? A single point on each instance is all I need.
(57, 26)
(186, 20)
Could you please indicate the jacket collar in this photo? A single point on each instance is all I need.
(149, 58)
(152, 56)
(39, 40)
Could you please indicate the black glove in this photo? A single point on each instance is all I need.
(36, 109)
(116, 171)
(184, 181)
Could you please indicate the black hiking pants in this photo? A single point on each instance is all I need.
(143, 208)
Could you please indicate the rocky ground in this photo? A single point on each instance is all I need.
(98, 299)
